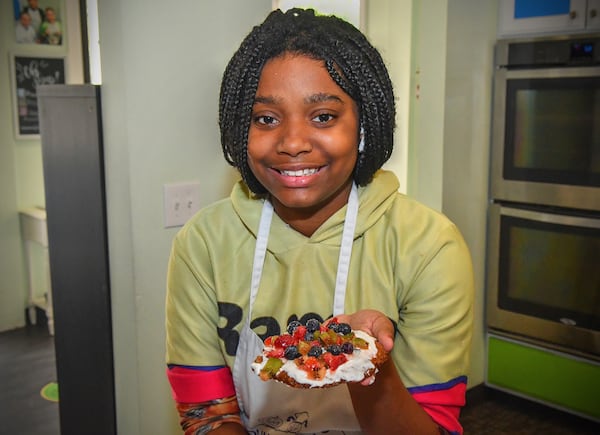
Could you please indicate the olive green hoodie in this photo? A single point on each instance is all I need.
(408, 261)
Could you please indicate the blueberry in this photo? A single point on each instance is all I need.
(291, 352)
(309, 336)
(334, 349)
(312, 325)
(315, 351)
(333, 326)
(347, 347)
(292, 326)
(343, 328)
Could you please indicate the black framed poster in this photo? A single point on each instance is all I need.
(28, 72)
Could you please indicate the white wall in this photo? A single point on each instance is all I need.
(161, 71)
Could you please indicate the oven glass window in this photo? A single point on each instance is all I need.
(553, 130)
(550, 271)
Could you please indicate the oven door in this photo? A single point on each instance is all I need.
(543, 278)
(546, 136)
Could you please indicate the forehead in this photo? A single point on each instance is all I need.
(293, 73)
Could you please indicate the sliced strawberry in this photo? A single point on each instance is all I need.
(334, 361)
(269, 340)
(300, 332)
(284, 341)
(278, 352)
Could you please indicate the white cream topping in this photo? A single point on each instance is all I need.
(353, 370)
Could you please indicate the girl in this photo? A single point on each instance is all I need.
(314, 229)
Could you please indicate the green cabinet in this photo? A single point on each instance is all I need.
(553, 378)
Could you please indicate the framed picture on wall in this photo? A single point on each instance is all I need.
(27, 72)
(39, 22)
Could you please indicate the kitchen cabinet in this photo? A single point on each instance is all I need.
(540, 17)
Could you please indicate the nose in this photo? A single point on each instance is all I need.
(295, 139)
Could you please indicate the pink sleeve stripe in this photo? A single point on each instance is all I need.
(196, 386)
(444, 406)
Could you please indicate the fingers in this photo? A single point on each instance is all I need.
(372, 322)
(368, 381)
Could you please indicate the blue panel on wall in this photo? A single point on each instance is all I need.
(541, 8)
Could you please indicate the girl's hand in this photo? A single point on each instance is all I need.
(374, 323)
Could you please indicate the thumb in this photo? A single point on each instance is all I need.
(383, 330)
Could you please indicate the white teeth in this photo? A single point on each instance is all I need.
(300, 173)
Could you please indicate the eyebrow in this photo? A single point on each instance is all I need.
(265, 100)
(311, 99)
(322, 97)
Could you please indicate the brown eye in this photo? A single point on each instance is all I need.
(323, 118)
(265, 120)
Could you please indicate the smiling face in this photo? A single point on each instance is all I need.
(302, 143)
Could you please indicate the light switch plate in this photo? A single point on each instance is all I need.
(181, 202)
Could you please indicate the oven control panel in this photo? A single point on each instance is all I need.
(558, 52)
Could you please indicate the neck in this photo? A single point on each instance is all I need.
(307, 220)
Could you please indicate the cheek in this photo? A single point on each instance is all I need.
(254, 155)
(341, 146)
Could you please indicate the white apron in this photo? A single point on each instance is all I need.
(272, 407)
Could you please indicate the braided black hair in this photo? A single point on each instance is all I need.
(352, 62)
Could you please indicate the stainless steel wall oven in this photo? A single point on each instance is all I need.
(543, 265)
(546, 122)
(544, 276)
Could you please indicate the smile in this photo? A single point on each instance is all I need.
(299, 173)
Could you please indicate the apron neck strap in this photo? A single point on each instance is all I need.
(341, 279)
(262, 238)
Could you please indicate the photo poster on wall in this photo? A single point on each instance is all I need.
(38, 22)
(28, 73)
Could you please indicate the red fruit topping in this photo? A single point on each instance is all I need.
(284, 341)
(276, 353)
(311, 363)
(269, 340)
(300, 332)
(334, 361)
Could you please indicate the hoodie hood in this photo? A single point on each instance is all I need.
(374, 199)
